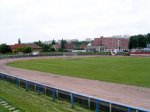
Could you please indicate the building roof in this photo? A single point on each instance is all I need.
(83, 46)
(69, 46)
(57, 46)
(97, 42)
(33, 46)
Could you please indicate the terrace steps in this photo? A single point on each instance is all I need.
(8, 106)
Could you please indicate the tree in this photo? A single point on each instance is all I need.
(27, 49)
(137, 41)
(60, 50)
(141, 41)
(78, 44)
(148, 38)
(19, 41)
(38, 43)
(63, 42)
(5, 48)
(53, 42)
(131, 42)
(51, 49)
(24, 49)
(44, 46)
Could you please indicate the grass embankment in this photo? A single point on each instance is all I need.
(32, 102)
(125, 70)
(2, 109)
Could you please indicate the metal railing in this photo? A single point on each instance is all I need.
(90, 102)
(3, 56)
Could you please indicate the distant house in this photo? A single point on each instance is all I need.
(69, 46)
(108, 43)
(56, 46)
(96, 45)
(92, 48)
(33, 46)
(83, 46)
(148, 45)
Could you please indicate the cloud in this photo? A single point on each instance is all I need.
(33, 20)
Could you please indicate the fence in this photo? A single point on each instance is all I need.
(49, 54)
(92, 103)
(29, 55)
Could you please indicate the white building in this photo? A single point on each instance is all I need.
(48, 42)
(148, 45)
(88, 39)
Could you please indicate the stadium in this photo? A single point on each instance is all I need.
(92, 83)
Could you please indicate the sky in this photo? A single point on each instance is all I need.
(33, 20)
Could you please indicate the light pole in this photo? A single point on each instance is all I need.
(118, 44)
(137, 43)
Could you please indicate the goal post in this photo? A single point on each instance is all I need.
(70, 55)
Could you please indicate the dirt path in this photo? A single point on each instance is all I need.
(130, 95)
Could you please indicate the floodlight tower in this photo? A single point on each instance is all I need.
(118, 44)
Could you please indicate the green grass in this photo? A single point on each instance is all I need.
(125, 70)
(32, 102)
(2, 109)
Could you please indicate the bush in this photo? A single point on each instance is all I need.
(25, 49)
(60, 50)
(5, 48)
(52, 49)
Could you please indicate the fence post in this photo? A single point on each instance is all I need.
(26, 85)
(110, 109)
(17, 81)
(7, 78)
(34, 86)
(72, 100)
(2, 77)
(53, 94)
(13, 80)
(38, 89)
(97, 105)
(57, 93)
(129, 110)
(45, 89)
(89, 103)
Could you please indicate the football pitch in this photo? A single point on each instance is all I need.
(124, 70)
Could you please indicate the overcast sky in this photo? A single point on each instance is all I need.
(33, 20)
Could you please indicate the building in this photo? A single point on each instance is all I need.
(108, 44)
(148, 45)
(83, 46)
(71, 40)
(115, 43)
(34, 47)
(48, 42)
(56, 46)
(88, 39)
(69, 46)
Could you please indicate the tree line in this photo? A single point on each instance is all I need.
(49, 47)
(45, 47)
(139, 41)
(7, 49)
(135, 42)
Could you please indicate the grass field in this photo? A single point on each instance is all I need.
(31, 102)
(125, 70)
(2, 109)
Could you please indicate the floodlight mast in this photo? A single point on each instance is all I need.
(118, 44)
